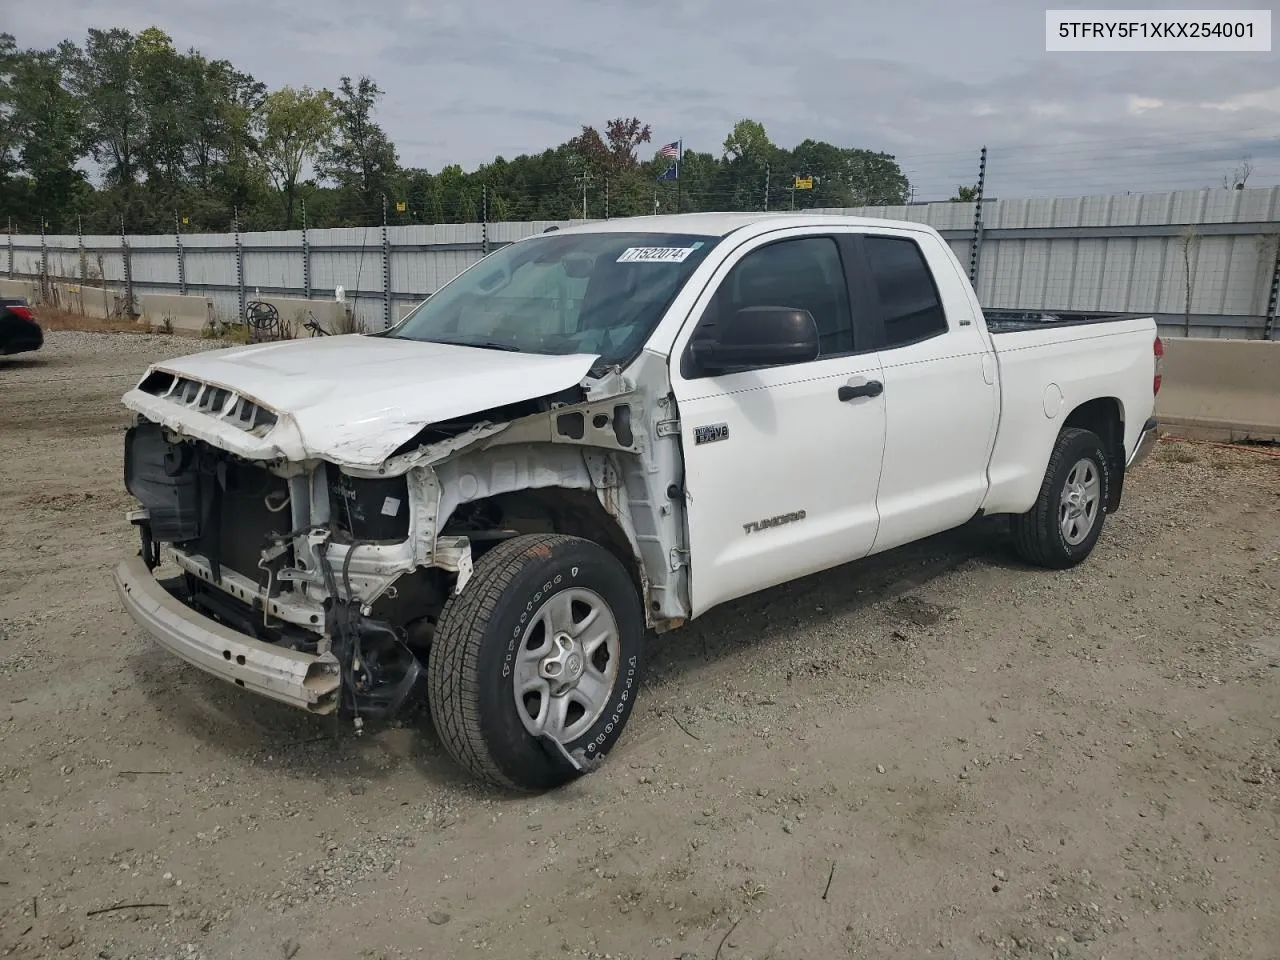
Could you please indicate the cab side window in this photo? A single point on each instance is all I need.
(909, 301)
(805, 273)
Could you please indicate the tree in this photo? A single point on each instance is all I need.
(224, 168)
(169, 132)
(359, 157)
(45, 119)
(10, 139)
(613, 165)
(103, 76)
(294, 125)
(167, 85)
(747, 139)
(1237, 178)
(1189, 240)
(965, 195)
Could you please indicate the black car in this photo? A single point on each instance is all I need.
(19, 332)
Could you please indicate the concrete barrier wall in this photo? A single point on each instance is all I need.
(85, 301)
(20, 288)
(99, 302)
(1220, 389)
(294, 313)
(183, 314)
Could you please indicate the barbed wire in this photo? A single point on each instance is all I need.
(1078, 167)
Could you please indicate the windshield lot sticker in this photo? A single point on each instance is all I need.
(655, 254)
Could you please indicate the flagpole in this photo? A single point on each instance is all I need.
(679, 151)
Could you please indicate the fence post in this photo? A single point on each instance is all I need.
(239, 264)
(975, 247)
(386, 268)
(1272, 330)
(306, 255)
(84, 266)
(46, 288)
(484, 220)
(127, 257)
(10, 236)
(182, 259)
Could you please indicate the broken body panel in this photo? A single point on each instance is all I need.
(399, 457)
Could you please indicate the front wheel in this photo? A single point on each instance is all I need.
(1064, 525)
(544, 646)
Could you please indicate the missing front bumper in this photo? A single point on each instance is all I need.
(304, 680)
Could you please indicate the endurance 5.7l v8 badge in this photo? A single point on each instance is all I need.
(757, 525)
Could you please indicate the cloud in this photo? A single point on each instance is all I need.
(929, 82)
(1142, 104)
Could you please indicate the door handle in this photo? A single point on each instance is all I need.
(872, 388)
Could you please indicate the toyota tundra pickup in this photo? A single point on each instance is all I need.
(595, 434)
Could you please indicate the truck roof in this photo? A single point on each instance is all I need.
(720, 224)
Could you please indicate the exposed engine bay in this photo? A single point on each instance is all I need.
(354, 570)
(254, 547)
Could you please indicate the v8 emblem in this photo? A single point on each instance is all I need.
(711, 433)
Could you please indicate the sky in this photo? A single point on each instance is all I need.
(929, 82)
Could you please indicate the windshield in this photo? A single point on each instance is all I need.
(600, 293)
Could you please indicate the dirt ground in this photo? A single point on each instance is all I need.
(934, 753)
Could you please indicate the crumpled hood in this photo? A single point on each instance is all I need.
(352, 399)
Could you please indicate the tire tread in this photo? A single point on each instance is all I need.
(454, 677)
(1033, 531)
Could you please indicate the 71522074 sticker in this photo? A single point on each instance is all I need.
(655, 254)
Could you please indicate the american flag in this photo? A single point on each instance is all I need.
(670, 150)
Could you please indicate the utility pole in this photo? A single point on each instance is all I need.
(585, 177)
(766, 186)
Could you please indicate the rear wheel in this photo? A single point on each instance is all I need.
(1064, 525)
(543, 645)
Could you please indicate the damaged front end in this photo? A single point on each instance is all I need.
(284, 574)
(310, 560)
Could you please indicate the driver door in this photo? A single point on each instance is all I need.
(781, 466)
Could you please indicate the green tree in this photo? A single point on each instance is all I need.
(965, 195)
(747, 139)
(10, 140)
(751, 160)
(172, 132)
(103, 76)
(294, 126)
(167, 84)
(359, 157)
(45, 121)
(224, 169)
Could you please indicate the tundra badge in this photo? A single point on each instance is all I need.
(758, 525)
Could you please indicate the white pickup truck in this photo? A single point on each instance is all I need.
(595, 433)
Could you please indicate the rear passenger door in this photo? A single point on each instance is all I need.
(781, 465)
(940, 393)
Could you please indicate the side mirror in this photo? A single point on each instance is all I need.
(759, 337)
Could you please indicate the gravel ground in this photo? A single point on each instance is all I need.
(935, 753)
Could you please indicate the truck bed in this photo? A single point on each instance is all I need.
(1014, 321)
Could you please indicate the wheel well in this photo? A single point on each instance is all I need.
(1105, 417)
(576, 513)
(419, 596)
